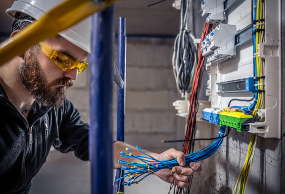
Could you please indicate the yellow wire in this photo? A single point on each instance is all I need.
(240, 186)
(242, 179)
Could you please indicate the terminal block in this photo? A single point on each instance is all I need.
(216, 117)
(207, 114)
(211, 115)
(234, 119)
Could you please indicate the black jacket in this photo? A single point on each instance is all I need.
(25, 144)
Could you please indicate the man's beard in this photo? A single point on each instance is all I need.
(35, 82)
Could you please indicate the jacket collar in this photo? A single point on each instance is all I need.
(37, 110)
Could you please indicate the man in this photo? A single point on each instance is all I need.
(36, 115)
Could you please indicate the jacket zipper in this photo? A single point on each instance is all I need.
(45, 138)
(28, 149)
(30, 137)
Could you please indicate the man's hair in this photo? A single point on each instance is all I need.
(21, 21)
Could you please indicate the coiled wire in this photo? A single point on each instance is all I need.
(185, 55)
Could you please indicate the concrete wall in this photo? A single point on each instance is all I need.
(151, 90)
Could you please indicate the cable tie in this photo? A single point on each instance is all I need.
(258, 30)
(258, 78)
(258, 24)
(260, 20)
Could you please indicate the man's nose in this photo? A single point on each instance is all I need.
(71, 74)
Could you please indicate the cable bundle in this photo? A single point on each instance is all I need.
(193, 100)
(138, 171)
(243, 176)
(258, 38)
(185, 57)
(188, 146)
(258, 63)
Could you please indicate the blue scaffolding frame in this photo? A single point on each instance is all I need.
(121, 93)
(101, 100)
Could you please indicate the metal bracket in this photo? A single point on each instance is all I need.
(243, 36)
(117, 78)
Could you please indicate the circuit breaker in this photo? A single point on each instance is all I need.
(220, 43)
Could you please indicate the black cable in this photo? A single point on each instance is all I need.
(156, 3)
(241, 100)
(199, 139)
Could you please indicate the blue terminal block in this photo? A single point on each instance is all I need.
(249, 84)
(207, 114)
(215, 117)
(211, 115)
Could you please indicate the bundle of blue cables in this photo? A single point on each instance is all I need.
(138, 171)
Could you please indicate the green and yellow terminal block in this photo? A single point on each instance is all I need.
(234, 118)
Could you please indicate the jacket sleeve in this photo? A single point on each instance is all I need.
(73, 132)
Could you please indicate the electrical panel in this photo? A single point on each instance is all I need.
(243, 95)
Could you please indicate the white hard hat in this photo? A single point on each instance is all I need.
(79, 34)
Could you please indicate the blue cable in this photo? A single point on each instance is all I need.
(139, 171)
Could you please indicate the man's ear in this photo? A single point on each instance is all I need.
(13, 34)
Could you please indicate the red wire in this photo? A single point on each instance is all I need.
(192, 99)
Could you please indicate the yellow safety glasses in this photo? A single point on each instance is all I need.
(62, 61)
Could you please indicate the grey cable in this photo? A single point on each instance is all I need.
(185, 54)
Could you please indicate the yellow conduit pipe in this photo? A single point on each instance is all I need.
(49, 25)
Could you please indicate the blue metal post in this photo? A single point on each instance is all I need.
(101, 90)
(121, 92)
(122, 70)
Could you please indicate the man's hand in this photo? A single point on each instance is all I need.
(178, 175)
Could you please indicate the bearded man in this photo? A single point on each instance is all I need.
(35, 114)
